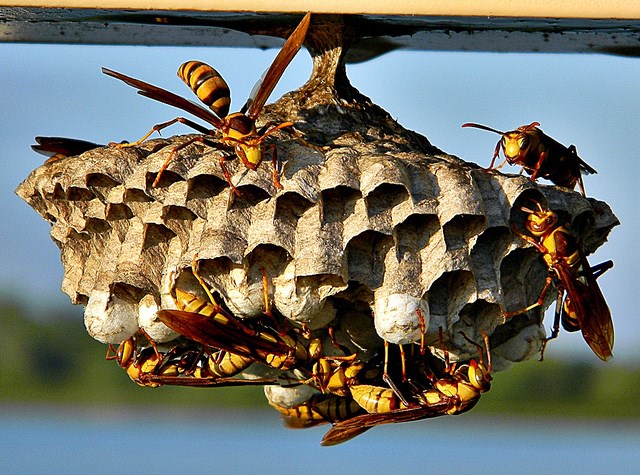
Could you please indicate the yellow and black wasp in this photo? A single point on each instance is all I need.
(580, 304)
(238, 130)
(539, 155)
(184, 364)
(456, 390)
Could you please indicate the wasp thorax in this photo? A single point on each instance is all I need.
(240, 125)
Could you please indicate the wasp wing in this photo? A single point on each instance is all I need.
(586, 168)
(264, 87)
(589, 310)
(162, 95)
(342, 432)
(60, 147)
(297, 422)
(236, 337)
(350, 428)
(201, 382)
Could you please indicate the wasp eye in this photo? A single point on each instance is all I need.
(524, 142)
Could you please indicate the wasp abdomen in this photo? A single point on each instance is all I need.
(208, 85)
(374, 399)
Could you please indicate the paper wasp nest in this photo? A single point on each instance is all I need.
(361, 236)
(364, 234)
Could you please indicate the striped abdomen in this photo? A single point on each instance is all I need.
(208, 85)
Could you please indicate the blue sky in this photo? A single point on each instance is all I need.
(591, 101)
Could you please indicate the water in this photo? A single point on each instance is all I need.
(55, 440)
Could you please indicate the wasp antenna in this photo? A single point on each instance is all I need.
(537, 205)
(481, 350)
(447, 363)
(483, 127)
(464, 335)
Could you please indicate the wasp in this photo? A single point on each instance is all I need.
(335, 374)
(319, 409)
(456, 391)
(260, 340)
(212, 326)
(237, 130)
(182, 365)
(57, 148)
(539, 155)
(580, 304)
(257, 340)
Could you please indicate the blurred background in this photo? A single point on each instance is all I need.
(66, 409)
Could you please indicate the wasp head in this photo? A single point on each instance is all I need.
(540, 221)
(516, 144)
(479, 372)
(479, 376)
(125, 353)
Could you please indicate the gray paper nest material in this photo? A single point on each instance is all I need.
(381, 224)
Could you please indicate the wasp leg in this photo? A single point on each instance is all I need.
(152, 343)
(159, 127)
(296, 134)
(387, 379)
(496, 152)
(271, 127)
(265, 293)
(403, 364)
(281, 329)
(226, 173)
(481, 350)
(112, 353)
(581, 185)
(176, 149)
(196, 274)
(536, 168)
(448, 368)
(275, 164)
(537, 303)
(423, 331)
(332, 337)
(385, 370)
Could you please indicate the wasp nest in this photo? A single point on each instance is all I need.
(361, 237)
(367, 234)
